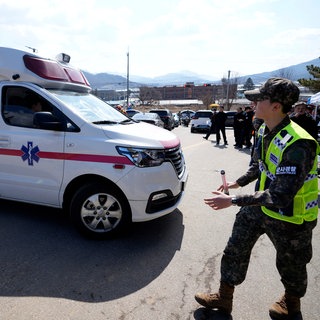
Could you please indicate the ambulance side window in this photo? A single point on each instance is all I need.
(19, 105)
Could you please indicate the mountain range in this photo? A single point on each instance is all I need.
(108, 81)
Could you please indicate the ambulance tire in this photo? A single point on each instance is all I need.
(100, 211)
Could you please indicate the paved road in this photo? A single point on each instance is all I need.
(47, 271)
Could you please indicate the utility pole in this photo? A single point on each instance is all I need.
(128, 79)
(228, 85)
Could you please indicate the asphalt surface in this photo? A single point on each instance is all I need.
(48, 271)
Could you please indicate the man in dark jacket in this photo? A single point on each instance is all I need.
(304, 119)
(248, 126)
(238, 128)
(221, 118)
(212, 126)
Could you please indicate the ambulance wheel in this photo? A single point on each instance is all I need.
(99, 211)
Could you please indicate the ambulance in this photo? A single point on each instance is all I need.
(60, 146)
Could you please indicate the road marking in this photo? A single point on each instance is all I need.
(193, 145)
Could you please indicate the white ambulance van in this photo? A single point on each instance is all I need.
(61, 146)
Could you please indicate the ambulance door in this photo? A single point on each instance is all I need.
(31, 159)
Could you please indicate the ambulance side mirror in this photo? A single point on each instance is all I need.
(47, 121)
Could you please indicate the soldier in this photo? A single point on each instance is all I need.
(304, 119)
(283, 206)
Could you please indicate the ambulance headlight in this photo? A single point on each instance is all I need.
(143, 157)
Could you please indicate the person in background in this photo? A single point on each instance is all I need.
(238, 128)
(284, 205)
(220, 120)
(256, 123)
(34, 102)
(248, 126)
(310, 109)
(213, 125)
(36, 106)
(304, 119)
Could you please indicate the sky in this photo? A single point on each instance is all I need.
(206, 37)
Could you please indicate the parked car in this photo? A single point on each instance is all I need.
(152, 118)
(189, 113)
(201, 121)
(185, 117)
(166, 116)
(185, 120)
(230, 118)
(132, 112)
(176, 120)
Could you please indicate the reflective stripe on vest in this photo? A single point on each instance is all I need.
(304, 206)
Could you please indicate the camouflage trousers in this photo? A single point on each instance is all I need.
(292, 243)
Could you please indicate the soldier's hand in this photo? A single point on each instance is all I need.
(219, 200)
(231, 185)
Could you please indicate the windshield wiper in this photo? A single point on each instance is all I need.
(105, 122)
(126, 121)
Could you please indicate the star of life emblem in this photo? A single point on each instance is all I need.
(30, 153)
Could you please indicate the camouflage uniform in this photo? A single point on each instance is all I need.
(292, 242)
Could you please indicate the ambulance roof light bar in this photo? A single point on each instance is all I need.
(47, 69)
(53, 70)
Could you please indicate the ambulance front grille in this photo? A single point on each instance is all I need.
(175, 156)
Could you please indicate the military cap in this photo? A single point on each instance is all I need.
(279, 90)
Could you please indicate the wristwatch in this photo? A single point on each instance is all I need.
(234, 201)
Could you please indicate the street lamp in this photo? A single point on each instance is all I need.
(228, 85)
(128, 79)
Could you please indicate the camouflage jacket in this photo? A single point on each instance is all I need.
(283, 188)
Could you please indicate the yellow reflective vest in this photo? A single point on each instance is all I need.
(304, 206)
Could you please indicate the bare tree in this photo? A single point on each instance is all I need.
(149, 96)
(207, 99)
(230, 89)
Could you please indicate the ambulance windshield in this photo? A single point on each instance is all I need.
(90, 108)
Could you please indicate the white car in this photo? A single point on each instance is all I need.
(201, 121)
(152, 118)
(189, 113)
(131, 112)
